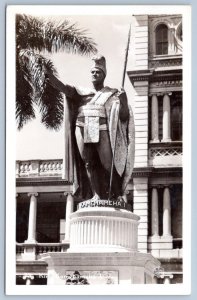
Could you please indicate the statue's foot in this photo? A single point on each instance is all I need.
(121, 199)
(95, 197)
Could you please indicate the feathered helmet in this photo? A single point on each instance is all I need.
(100, 63)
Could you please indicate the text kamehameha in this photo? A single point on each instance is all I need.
(102, 203)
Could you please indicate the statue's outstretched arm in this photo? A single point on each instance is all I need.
(68, 90)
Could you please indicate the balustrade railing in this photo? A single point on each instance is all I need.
(165, 154)
(49, 247)
(33, 168)
(41, 248)
(165, 151)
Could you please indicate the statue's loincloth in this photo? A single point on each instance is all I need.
(93, 119)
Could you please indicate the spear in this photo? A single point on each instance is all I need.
(122, 87)
(126, 57)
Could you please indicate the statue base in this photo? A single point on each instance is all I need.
(103, 229)
(100, 268)
(103, 250)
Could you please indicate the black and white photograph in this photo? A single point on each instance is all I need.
(98, 104)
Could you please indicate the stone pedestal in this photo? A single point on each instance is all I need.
(103, 230)
(100, 268)
(103, 250)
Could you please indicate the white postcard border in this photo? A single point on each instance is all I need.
(11, 287)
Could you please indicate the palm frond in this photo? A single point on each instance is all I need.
(32, 65)
(51, 107)
(24, 103)
(33, 88)
(36, 34)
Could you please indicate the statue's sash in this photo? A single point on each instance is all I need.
(101, 97)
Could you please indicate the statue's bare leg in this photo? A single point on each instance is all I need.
(86, 152)
(93, 179)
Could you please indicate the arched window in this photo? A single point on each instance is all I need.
(161, 39)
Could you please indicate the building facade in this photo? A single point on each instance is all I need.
(44, 201)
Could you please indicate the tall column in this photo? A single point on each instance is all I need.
(154, 119)
(166, 212)
(32, 218)
(155, 213)
(69, 210)
(166, 119)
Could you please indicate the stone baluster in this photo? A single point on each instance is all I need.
(166, 119)
(32, 218)
(155, 213)
(154, 119)
(166, 212)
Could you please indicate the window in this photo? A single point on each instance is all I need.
(161, 39)
(176, 117)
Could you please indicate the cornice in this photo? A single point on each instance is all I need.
(29, 263)
(153, 75)
(157, 172)
(139, 75)
(166, 75)
(40, 181)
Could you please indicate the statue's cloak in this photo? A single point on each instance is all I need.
(122, 139)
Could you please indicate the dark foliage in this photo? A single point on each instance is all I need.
(33, 37)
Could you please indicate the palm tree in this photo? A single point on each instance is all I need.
(33, 37)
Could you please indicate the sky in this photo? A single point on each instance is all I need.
(110, 33)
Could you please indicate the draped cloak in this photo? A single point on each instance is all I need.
(122, 140)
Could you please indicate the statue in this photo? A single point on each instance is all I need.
(100, 137)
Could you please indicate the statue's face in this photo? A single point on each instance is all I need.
(98, 75)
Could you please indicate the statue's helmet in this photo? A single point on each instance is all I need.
(100, 63)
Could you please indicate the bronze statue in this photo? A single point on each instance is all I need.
(100, 137)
